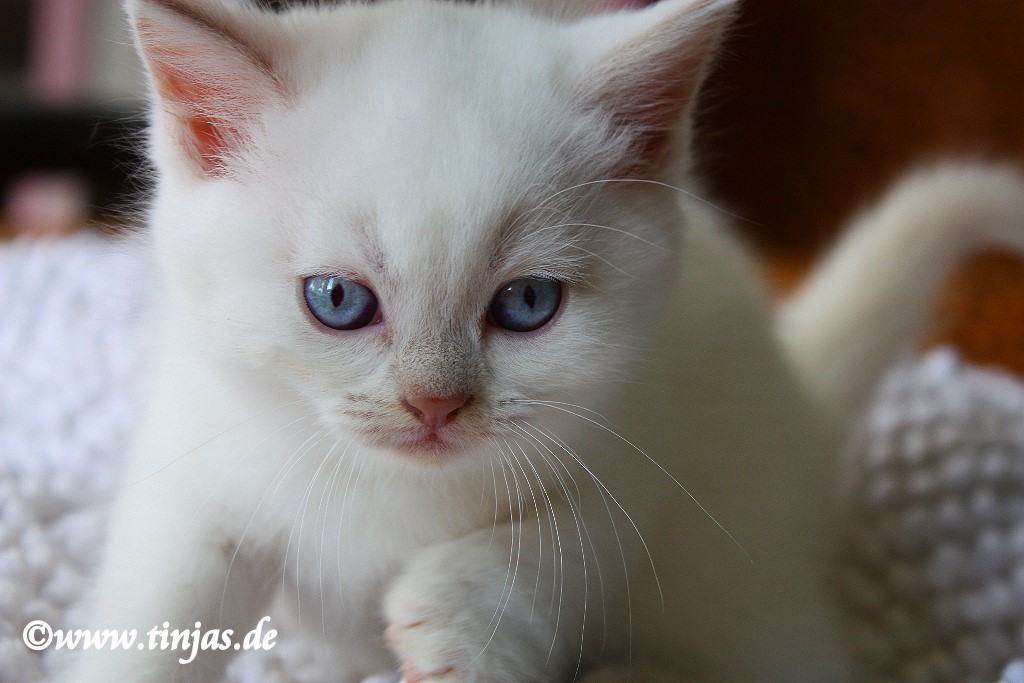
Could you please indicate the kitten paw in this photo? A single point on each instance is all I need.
(410, 675)
(453, 618)
(422, 649)
(384, 678)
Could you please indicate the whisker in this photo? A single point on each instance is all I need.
(557, 581)
(510, 573)
(281, 472)
(328, 493)
(620, 231)
(615, 500)
(657, 183)
(536, 509)
(615, 531)
(238, 460)
(663, 470)
(209, 441)
(343, 518)
(603, 260)
(300, 515)
(532, 401)
(583, 531)
(494, 523)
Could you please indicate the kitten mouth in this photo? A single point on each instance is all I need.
(429, 445)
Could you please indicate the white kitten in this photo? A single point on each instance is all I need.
(419, 269)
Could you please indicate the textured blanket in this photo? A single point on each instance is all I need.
(933, 564)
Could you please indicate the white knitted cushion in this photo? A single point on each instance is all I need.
(69, 359)
(934, 567)
(934, 563)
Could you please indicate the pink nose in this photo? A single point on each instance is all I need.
(434, 412)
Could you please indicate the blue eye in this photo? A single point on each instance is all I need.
(339, 303)
(526, 304)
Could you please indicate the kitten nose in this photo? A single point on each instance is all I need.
(433, 411)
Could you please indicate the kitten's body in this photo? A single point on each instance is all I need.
(437, 152)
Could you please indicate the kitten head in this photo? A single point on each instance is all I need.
(424, 218)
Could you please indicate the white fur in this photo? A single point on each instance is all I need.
(438, 151)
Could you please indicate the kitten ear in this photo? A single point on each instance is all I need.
(644, 69)
(210, 78)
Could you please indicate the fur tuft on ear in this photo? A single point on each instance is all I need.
(207, 74)
(644, 68)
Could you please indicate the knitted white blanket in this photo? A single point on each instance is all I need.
(933, 571)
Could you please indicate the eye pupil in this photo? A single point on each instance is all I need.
(530, 296)
(526, 304)
(337, 295)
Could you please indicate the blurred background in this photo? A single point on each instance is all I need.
(816, 106)
(70, 98)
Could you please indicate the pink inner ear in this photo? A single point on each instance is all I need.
(654, 109)
(208, 144)
(212, 85)
(649, 83)
(206, 135)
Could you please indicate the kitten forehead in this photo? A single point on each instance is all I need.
(411, 37)
(446, 130)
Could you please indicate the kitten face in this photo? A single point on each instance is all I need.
(432, 159)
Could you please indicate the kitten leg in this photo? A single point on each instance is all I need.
(162, 566)
(494, 606)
